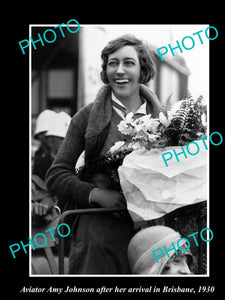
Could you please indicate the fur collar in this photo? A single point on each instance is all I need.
(101, 112)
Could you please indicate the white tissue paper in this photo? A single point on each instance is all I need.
(153, 190)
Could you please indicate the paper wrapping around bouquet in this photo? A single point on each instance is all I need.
(153, 190)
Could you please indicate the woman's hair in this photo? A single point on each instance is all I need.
(143, 51)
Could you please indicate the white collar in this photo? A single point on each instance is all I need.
(141, 110)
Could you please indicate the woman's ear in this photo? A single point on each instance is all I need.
(144, 76)
(104, 77)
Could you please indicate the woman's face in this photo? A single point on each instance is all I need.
(178, 265)
(123, 72)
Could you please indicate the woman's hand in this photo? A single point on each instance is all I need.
(42, 208)
(39, 209)
(107, 198)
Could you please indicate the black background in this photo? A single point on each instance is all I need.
(16, 157)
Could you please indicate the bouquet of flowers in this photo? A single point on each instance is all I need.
(177, 125)
(136, 166)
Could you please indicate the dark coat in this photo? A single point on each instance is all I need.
(99, 244)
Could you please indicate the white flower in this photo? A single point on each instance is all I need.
(138, 127)
(145, 119)
(146, 123)
(116, 146)
(154, 125)
(163, 119)
(127, 126)
(122, 127)
(152, 137)
(126, 129)
(129, 118)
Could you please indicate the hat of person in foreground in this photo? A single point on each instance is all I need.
(143, 244)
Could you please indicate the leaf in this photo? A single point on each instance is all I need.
(186, 122)
(167, 105)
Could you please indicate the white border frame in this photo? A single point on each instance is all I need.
(30, 171)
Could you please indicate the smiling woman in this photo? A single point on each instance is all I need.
(127, 62)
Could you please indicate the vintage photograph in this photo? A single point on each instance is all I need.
(119, 149)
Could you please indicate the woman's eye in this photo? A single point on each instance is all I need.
(112, 63)
(125, 63)
(129, 63)
(176, 261)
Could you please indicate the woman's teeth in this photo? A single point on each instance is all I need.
(121, 81)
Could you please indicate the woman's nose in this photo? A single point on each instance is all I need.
(120, 69)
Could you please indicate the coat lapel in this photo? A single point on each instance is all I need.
(98, 123)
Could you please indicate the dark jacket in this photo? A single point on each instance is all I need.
(88, 131)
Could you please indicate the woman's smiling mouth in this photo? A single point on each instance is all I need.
(121, 81)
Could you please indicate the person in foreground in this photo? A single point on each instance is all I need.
(99, 241)
(141, 252)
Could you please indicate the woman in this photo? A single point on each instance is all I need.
(99, 241)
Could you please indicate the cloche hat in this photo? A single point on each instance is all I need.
(140, 255)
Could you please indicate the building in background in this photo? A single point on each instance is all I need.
(54, 74)
(66, 74)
